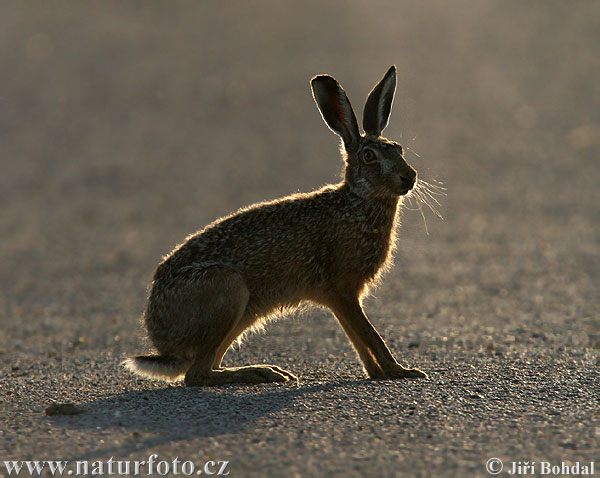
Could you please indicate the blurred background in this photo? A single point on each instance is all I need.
(125, 126)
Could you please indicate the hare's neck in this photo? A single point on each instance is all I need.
(381, 214)
(376, 213)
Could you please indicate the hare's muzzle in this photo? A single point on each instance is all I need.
(408, 177)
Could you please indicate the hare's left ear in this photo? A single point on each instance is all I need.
(379, 104)
(336, 109)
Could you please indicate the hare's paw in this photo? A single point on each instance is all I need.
(262, 374)
(249, 374)
(399, 371)
(258, 374)
(285, 373)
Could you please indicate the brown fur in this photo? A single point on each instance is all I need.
(325, 247)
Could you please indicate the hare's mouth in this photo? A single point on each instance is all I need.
(405, 187)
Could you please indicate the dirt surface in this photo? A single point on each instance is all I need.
(125, 126)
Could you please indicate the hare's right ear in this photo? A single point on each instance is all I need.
(336, 109)
(379, 104)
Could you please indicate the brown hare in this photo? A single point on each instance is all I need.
(326, 247)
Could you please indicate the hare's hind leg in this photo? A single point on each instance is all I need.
(250, 373)
(372, 350)
(222, 298)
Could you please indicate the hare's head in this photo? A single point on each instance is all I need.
(375, 166)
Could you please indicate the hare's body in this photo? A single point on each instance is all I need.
(295, 242)
(326, 247)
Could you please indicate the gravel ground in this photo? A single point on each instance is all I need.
(126, 126)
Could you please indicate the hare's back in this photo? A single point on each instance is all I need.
(286, 234)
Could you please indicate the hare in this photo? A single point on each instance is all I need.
(326, 247)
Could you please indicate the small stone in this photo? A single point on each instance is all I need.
(63, 409)
(78, 341)
(569, 445)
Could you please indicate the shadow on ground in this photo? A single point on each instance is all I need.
(180, 413)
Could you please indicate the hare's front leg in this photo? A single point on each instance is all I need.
(372, 350)
(221, 301)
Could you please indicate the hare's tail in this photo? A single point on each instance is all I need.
(165, 367)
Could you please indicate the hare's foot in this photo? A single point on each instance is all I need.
(398, 371)
(282, 371)
(262, 367)
(372, 350)
(248, 374)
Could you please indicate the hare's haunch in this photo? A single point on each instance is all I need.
(325, 247)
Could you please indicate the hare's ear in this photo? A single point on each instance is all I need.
(379, 104)
(336, 109)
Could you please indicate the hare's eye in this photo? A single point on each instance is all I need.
(368, 155)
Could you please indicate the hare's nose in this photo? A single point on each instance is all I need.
(409, 176)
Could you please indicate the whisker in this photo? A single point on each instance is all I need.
(414, 194)
(408, 148)
(430, 195)
(409, 198)
(420, 208)
(432, 208)
(437, 192)
(433, 181)
(420, 192)
(424, 194)
(424, 221)
(434, 188)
